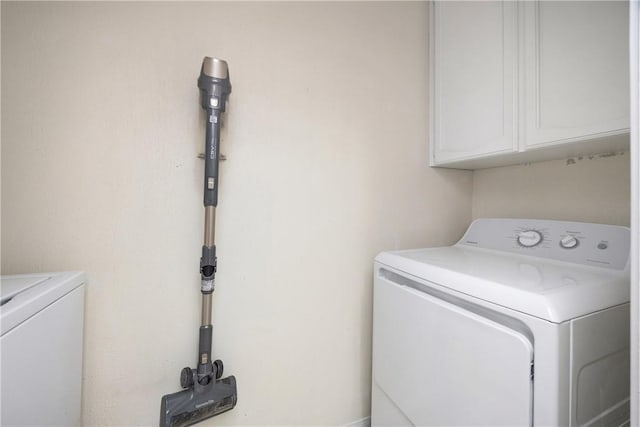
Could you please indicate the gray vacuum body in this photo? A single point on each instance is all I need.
(206, 393)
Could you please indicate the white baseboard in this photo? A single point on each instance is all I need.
(364, 422)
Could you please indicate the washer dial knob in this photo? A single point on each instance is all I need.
(529, 238)
(568, 242)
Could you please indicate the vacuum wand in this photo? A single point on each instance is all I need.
(206, 393)
(215, 86)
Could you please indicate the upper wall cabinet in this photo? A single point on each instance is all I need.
(473, 69)
(514, 82)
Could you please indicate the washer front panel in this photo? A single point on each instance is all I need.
(440, 365)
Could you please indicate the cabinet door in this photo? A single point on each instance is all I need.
(575, 71)
(472, 79)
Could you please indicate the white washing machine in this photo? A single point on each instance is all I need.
(521, 323)
(41, 319)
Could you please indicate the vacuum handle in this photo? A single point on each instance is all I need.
(215, 86)
(211, 158)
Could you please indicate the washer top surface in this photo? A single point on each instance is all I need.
(12, 286)
(23, 295)
(547, 280)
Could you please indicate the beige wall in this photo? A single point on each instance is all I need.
(325, 136)
(588, 189)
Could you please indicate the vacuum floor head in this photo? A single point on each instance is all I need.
(197, 403)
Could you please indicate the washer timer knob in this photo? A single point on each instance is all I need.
(568, 242)
(529, 238)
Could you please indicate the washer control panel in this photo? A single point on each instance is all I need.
(583, 243)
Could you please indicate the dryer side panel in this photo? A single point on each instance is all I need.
(443, 365)
(600, 378)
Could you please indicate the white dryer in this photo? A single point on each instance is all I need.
(41, 323)
(521, 323)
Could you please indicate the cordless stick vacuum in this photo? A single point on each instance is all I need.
(205, 393)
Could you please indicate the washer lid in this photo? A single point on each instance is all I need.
(552, 290)
(12, 286)
(24, 295)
